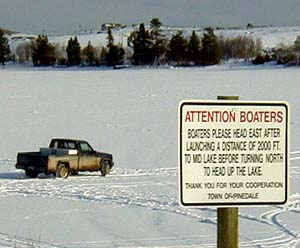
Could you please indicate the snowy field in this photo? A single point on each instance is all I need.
(131, 113)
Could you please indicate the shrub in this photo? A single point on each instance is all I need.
(4, 48)
(261, 59)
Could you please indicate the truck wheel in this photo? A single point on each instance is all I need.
(62, 170)
(31, 174)
(105, 168)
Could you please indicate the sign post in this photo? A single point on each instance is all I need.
(232, 153)
(228, 218)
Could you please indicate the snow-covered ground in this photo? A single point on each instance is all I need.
(131, 113)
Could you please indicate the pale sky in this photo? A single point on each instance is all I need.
(69, 16)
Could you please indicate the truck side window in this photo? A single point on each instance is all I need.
(60, 145)
(71, 145)
(54, 145)
(85, 147)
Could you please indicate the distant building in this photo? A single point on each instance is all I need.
(106, 26)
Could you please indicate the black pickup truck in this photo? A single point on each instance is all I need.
(63, 157)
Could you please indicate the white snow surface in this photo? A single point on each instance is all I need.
(132, 114)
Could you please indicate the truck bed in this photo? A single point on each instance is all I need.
(32, 161)
(38, 161)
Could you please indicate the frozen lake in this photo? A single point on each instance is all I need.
(133, 114)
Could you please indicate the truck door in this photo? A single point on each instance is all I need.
(74, 162)
(87, 157)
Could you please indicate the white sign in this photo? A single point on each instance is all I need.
(233, 153)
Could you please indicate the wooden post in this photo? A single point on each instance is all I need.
(227, 217)
(228, 227)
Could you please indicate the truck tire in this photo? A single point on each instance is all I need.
(31, 174)
(62, 170)
(105, 168)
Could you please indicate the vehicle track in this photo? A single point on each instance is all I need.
(7, 240)
(155, 189)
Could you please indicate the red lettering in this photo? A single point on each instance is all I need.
(261, 116)
(279, 116)
(273, 116)
(242, 116)
(187, 117)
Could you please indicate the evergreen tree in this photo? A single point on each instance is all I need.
(177, 49)
(103, 54)
(60, 54)
(159, 49)
(297, 48)
(155, 25)
(110, 38)
(73, 52)
(159, 43)
(89, 54)
(115, 54)
(43, 53)
(194, 49)
(142, 46)
(210, 52)
(4, 48)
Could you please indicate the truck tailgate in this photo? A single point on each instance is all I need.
(32, 159)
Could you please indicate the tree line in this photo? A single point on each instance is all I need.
(149, 46)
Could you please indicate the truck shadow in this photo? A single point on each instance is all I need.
(15, 175)
(82, 174)
(12, 175)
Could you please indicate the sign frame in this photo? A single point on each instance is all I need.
(232, 104)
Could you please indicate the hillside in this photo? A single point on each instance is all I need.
(271, 36)
(7, 31)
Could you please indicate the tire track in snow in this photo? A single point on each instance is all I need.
(144, 189)
(288, 238)
(293, 157)
(294, 152)
(149, 188)
(7, 240)
(149, 243)
(141, 188)
(271, 217)
(7, 161)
